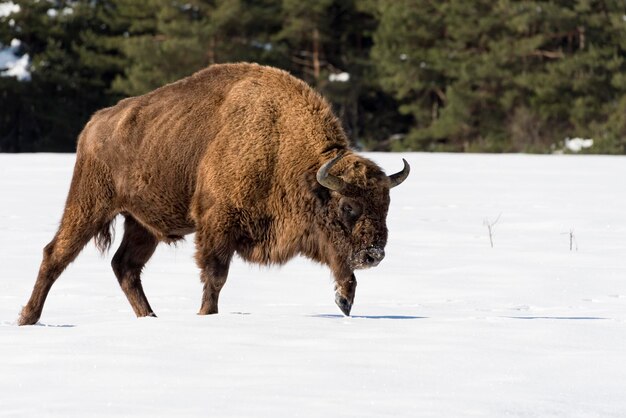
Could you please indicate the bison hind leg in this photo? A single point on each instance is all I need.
(61, 251)
(88, 212)
(73, 234)
(136, 248)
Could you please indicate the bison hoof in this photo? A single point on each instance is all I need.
(21, 322)
(27, 318)
(343, 304)
(207, 312)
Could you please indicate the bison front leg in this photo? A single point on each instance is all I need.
(213, 256)
(213, 276)
(345, 288)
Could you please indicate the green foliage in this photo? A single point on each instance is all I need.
(69, 73)
(176, 39)
(487, 75)
(504, 75)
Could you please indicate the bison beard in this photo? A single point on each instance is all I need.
(248, 157)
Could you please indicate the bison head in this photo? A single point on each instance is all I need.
(357, 207)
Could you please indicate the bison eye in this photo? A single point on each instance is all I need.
(350, 210)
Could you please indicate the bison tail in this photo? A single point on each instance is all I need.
(104, 236)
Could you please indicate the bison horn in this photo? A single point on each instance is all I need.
(398, 178)
(328, 180)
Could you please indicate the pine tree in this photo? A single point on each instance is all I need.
(580, 88)
(178, 39)
(327, 43)
(504, 75)
(49, 111)
(501, 75)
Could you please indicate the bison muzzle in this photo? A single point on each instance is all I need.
(248, 157)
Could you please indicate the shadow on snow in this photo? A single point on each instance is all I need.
(368, 316)
(571, 318)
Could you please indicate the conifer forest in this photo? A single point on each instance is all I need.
(402, 75)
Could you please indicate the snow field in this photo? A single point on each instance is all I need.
(446, 326)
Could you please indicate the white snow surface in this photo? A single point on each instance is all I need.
(578, 144)
(11, 64)
(342, 77)
(14, 65)
(8, 7)
(446, 326)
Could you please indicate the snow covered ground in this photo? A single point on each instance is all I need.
(12, 64)
(446, 326)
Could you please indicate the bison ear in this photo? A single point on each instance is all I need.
(321, 193)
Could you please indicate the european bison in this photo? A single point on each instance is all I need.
(248, 157)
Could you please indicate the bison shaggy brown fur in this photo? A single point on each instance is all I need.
(248, 157)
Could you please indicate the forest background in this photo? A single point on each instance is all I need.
(422, 75)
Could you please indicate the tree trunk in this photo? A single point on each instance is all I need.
(316, 54)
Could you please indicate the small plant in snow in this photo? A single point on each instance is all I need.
(491, 227)
(573, 244)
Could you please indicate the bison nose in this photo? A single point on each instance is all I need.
(374, 255)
